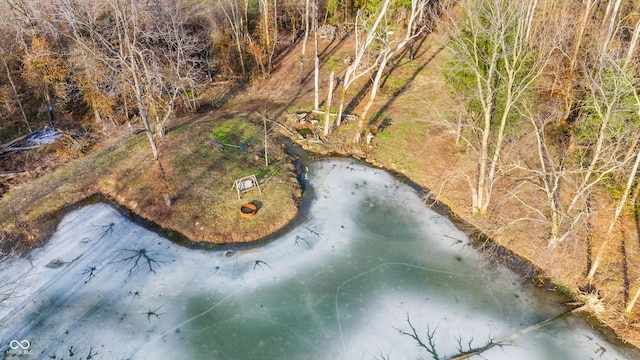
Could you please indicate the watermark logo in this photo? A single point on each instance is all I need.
(20, 347)
(15, 344)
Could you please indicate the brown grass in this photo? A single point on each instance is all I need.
(198, 180)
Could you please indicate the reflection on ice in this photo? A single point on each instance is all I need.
(343, 284)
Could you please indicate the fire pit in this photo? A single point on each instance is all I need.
(248, 210)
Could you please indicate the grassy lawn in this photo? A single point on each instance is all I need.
(194, 170)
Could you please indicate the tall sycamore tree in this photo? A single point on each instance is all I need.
(494, 65)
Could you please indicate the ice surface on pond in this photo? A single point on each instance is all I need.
(341, 285)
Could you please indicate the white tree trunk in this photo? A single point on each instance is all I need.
(374, 92)
(612, 16)
(305, 39)
(633, 43)
(327, 113)
(316, 67)
(417, 8)
(633, 301)
(352, 74)
(618, 211)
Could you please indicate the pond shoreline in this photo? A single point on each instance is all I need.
(301, 157)
(487, 246)
(371, 254)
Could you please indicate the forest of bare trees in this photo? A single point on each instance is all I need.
(549, 88)
(565, 72)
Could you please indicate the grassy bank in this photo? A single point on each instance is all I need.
(200, 157)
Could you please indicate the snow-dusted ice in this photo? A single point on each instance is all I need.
(367, 257)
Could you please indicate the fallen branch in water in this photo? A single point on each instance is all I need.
(512, 337)
(462, 354)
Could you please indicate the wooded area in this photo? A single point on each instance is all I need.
(550, 89)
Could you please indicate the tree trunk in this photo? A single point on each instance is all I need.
(620, 206)
(497, 146)
(554, 235)
(481, 206)
(374, 92)
(235, 21)
(588, 7)
(625, 195)
(306, 38)
(264, 5)
(610, 29)
(137, 89)
(633, 43)
(386, 54)
(351, 74)
(272, 50)
(266, 154)
(340, 106)
(327, 114)
(15, 92)
(570, 81)
(52, 119)
(316, 71)
(96, 114)
(633, 300)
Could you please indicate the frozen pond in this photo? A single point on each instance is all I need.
(340, 285)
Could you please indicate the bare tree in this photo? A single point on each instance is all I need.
(327, 113)
(626, 138)
(492, 48)
(143, 48)
(268, 36)
(304, 39)
(177, 62)
(234, 18)
(555, 177)
(274, 44)
(316, 66)
(633, 44)
(611, 18)
(630, 53)
(389, 49)
(96, 84)
(354, 71)
(566, 177)
(46, 71)
(570, 80)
